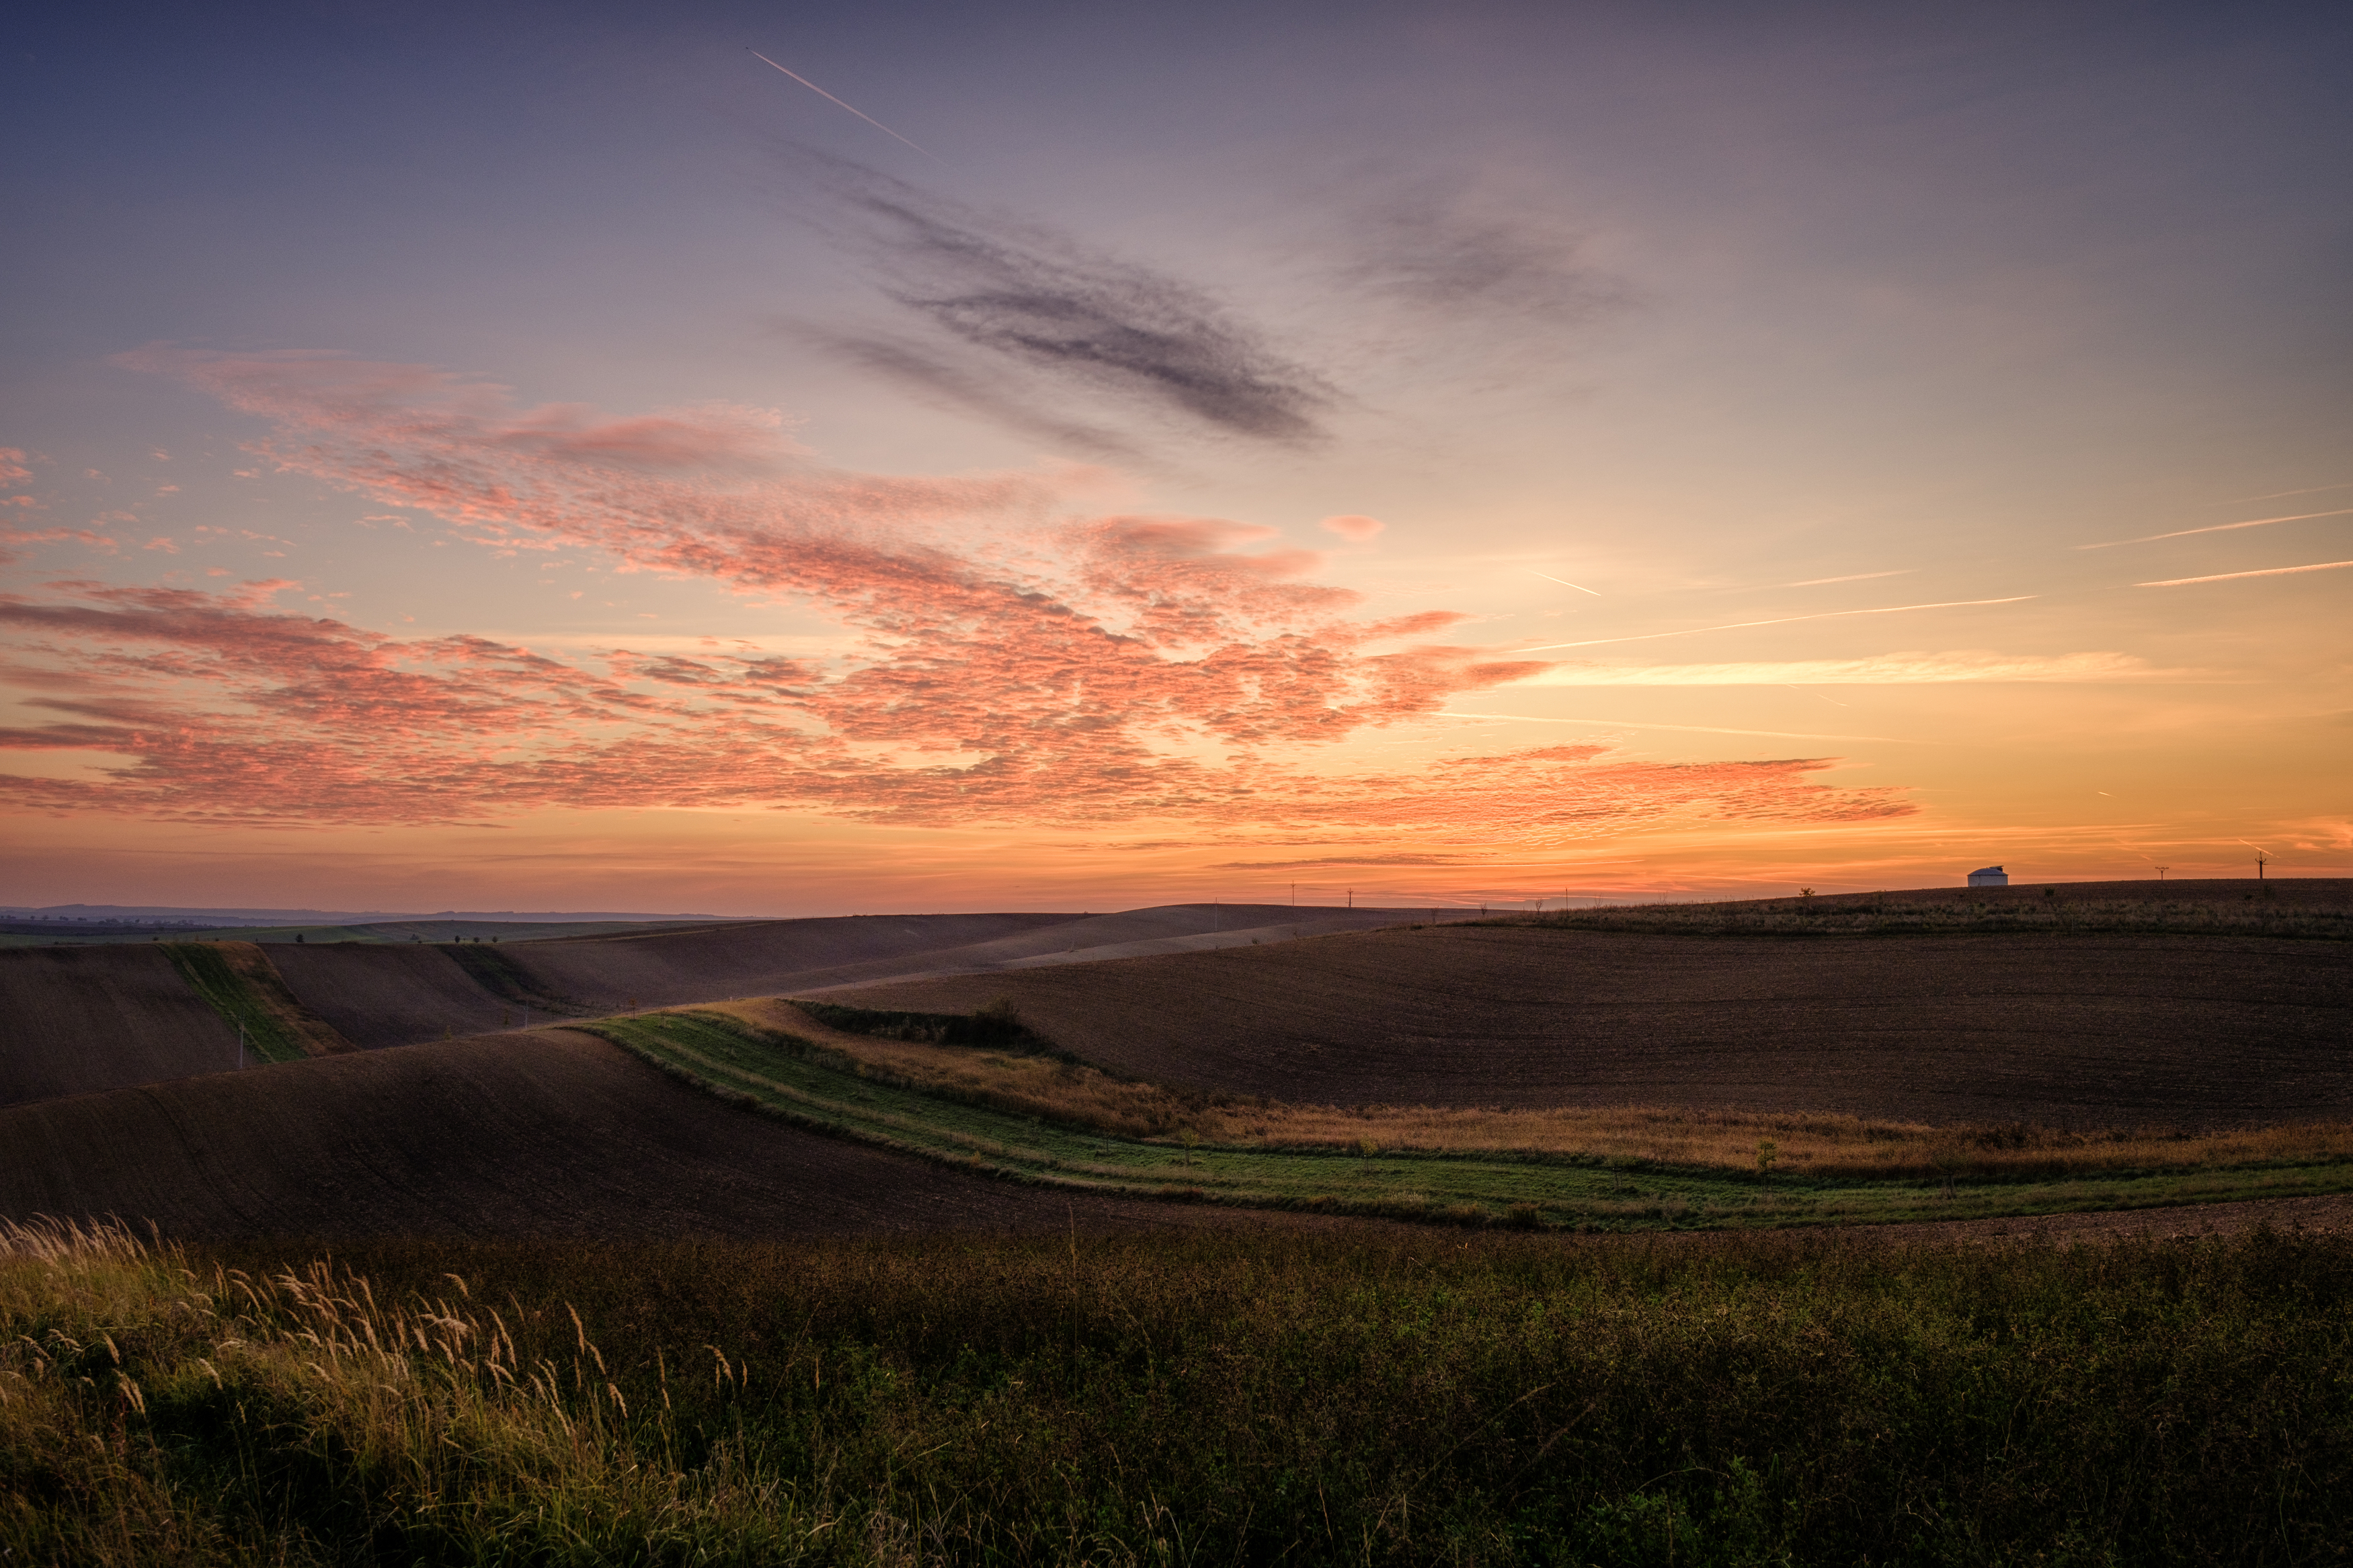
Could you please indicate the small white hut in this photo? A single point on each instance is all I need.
(1988, 877)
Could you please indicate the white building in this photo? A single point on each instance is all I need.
(1988, 877)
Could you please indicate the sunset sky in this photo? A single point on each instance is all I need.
(550, 458)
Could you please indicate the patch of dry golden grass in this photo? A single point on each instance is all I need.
(1796, 1144)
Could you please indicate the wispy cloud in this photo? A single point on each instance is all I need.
(1909, 668)
(1777, 621)
(1369, 859)
(1012, 319)
(2266, 572)
(2219, 528)
(1687, 728)
(1451, 246)
(1002, 660)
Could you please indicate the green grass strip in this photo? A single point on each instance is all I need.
(790, 1078)
(207, 971)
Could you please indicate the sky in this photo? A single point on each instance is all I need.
(741, 459)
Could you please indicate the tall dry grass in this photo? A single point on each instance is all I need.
(415, 1420)
(1166, 1399)
(1830, 1146)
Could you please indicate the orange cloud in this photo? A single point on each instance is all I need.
(1015, 662)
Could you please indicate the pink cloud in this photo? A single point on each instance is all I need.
(1353, 527)
(1020, 663)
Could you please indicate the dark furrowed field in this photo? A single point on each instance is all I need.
(1393, 1398)
(523, 1135)
(2062, 1030)
(84, 1018)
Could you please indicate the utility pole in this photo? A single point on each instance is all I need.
(2261, 860)
(2161, 870)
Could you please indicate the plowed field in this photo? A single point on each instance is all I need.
(382, 994)
(2063, 1030)
(540, 1134)
(83, 1018)
(664, 968)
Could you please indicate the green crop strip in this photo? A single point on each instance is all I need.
(504, 978)
(787, 1077)
(208, 974)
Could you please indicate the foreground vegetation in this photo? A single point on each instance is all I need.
(1021, 1112)
(1215, 1398)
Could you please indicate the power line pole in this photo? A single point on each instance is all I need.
(2261, 860)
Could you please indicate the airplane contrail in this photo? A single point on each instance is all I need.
(2218, 528)
(1784, 620)
(2275, 495)
(1565, 582)
(1858, 577)
(860, 113)
(2266, 572)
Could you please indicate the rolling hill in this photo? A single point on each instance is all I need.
(539, 1134)
(2065, 1030)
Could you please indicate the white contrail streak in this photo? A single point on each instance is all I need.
(1564, 582)
(1777, 621)
(1858, 577)
(2313, 490)
(860, 113)
(2218, 528)
(2267, 572)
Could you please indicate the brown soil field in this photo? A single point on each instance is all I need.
(82, 1018)
(544, 1134)
(388, 994)
(2063, 1031)
(1173, 928)
(2304, 892)
(664, 968)
(379, 994)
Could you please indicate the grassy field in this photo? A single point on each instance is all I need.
(1398, 1398)
(1037, 1119)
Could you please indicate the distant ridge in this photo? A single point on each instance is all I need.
(325, 916)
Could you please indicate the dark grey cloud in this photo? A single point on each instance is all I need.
(1445, 246)
(1018, 322)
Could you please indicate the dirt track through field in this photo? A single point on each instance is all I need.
(2077, 1031)
(84, 1018)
